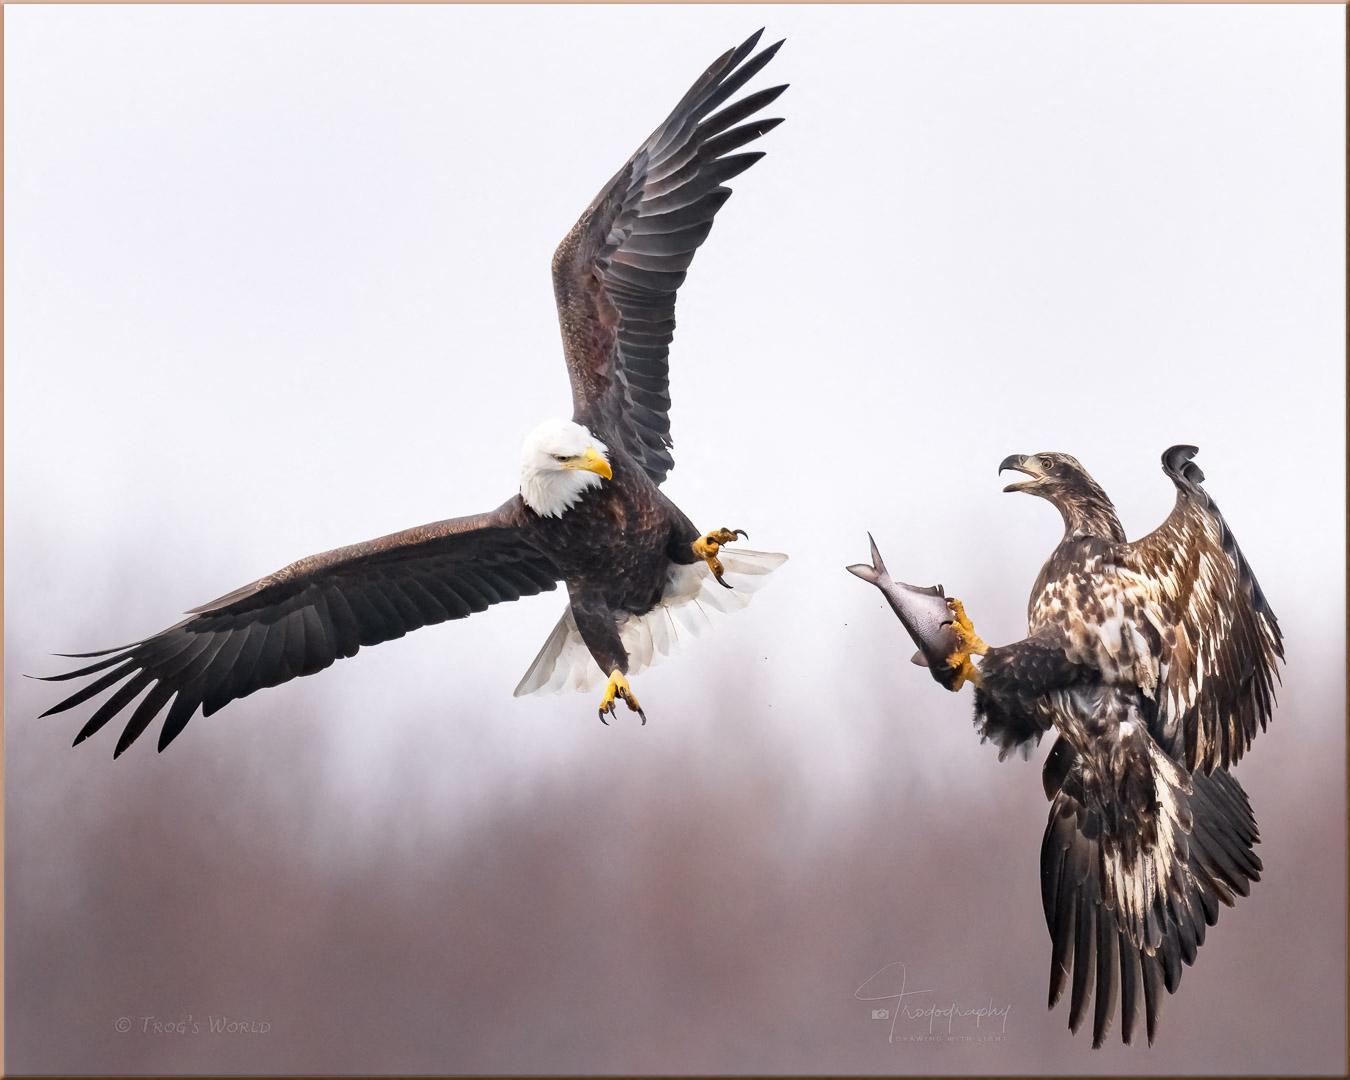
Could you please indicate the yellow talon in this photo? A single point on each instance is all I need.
(965, 629)
(618, 688)
(707, 547)
(968, 643)
(969, 673)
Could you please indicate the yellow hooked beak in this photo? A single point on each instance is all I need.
(1023, 463)
(590, 461)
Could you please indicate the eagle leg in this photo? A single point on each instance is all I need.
(618, 688)
(968, 643)
(707, 547)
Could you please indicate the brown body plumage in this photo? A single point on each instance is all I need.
(613, 538)
(614, 549)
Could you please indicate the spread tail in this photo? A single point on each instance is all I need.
(564, 663)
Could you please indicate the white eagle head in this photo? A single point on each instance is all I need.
(558, 462)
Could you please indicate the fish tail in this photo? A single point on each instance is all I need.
(876, 573)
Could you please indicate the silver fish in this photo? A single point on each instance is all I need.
(925, 613)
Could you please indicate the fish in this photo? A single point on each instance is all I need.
(925, 613)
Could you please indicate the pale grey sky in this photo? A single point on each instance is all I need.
(277, 280)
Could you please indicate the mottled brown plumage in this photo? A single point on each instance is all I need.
(1155, 662)
(615, 278)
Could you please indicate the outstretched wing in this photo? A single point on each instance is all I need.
(1125, 912)
(1219, 638)
(299, 620)
(616, 273)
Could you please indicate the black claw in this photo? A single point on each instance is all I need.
(742, 533)
(721, 582)
(644, 717)
(602, 718)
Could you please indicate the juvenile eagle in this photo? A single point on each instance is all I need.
(590, 511)
(1155, 662)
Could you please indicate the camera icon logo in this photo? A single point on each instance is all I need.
(881, 1014)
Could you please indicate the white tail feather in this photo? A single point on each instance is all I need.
(564, 663)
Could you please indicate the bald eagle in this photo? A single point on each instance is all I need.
(1155, 662)
(590, 511)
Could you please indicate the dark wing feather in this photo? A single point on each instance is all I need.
(1095, 947)
(616, 273)
(299, 620)
(1011, 708)
(1220, 639)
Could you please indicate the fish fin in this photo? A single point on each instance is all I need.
(873, 574)
(919, 659)
(863, 571)
(877, 564)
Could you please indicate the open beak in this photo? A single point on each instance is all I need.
(1023, 464)
(591, 461)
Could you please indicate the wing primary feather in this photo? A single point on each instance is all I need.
(740, 110)
(1151, 970)
(189, 694)
(740, 77)
(144, 715)
(1084, 965)
(79, 672)
(1171, 961)
(1106, 979)
(241, 679)
(299, 620)
(97, 686)
(87, 655)
(738, 137)
(694, 101)
(220, 668)
(701, 210)
(115, 704)
(1129, 987)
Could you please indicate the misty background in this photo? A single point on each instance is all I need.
(277, 281)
